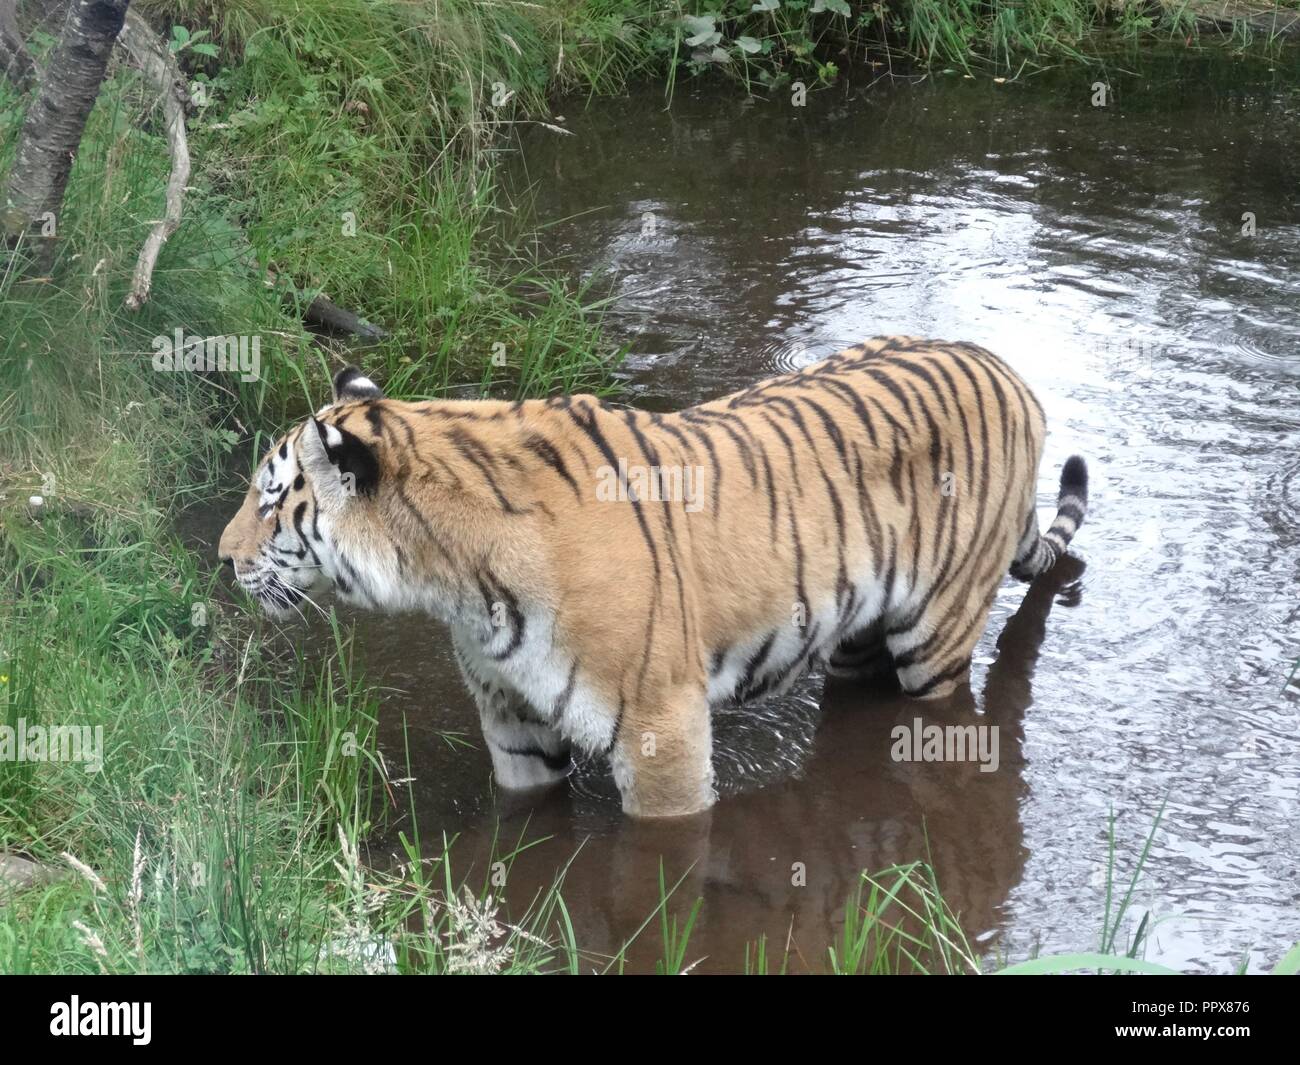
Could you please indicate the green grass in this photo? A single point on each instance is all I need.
(898, 922)
(220, 778)
(353, 144)
(776, 44)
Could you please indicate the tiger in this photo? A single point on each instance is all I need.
(609, 576)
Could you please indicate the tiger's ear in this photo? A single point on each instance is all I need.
(340, 464)
(352, 384)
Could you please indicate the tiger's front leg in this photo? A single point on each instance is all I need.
(663, 755)
(526, 752)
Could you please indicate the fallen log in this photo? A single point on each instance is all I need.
(1265, 20)
(325, 314)
(18, 874)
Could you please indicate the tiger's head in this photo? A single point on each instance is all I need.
(305, 502)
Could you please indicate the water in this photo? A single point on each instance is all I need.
(1098, 250)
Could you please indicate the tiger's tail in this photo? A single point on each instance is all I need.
(1037, 554)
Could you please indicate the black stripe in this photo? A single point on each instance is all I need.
(925, 375)
(546, 451)
(652, 456)
(414, 511)
(948, 674)
(1072, 511)
(298, 513)
(789, 447)
(800, 589)
(896, 471)
(884, 378)
(553, 761)
(871, 521)
(566, 696)
(756, 662)
(717, 468)
(832, 430)
(846, 393)
(476, 453)
(716, 660)
(718, 419)
(493, 592)
(618, 723)
(771, 491)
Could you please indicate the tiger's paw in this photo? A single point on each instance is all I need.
(530, 766)
(663, 807)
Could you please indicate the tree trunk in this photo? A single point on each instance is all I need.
(57, 117)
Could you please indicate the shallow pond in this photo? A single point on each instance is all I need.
(1100, 250)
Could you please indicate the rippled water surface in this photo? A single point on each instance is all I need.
(1101, 252)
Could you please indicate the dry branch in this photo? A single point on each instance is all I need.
(150, 53)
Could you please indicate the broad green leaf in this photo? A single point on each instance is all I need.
(699, 28)
(1068, 963)
(1290, 964)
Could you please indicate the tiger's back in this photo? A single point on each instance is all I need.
(881, 493)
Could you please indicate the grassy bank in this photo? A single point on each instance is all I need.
(347, 149)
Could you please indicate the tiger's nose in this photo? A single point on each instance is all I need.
(228, 560)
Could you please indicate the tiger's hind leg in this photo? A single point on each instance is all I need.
(932, 650)
(863, 658)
